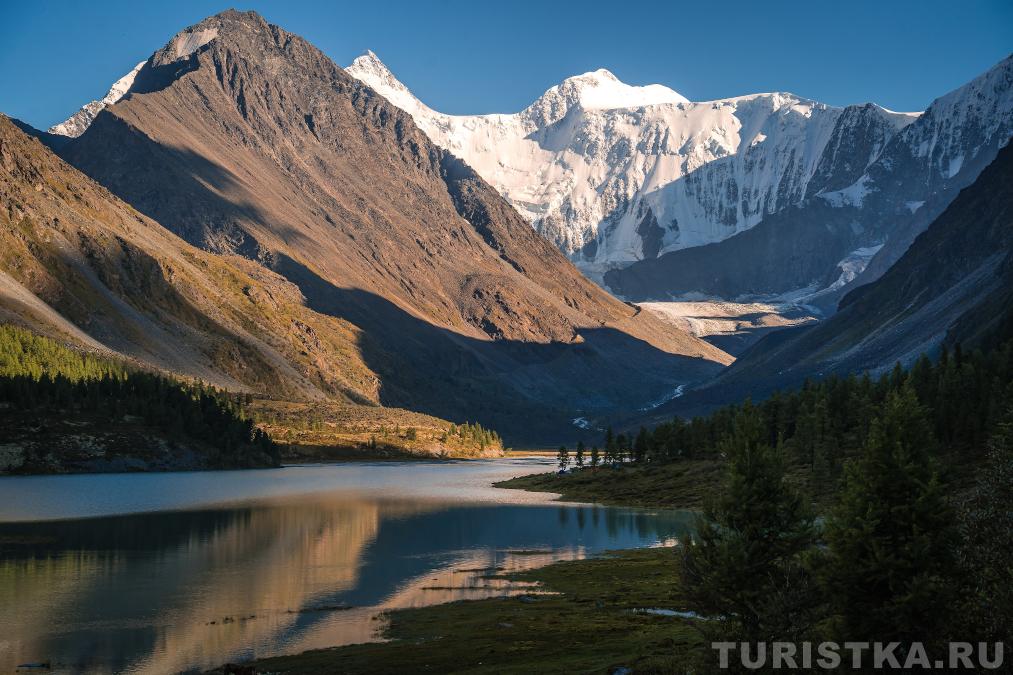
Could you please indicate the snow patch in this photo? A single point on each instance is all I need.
(670, 396)
(851, 266)
(853, 195)
(187, 43)
(955, 164)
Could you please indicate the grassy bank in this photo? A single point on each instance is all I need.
(683, 485)
(331, 431)
(686, 483)
(589, 626)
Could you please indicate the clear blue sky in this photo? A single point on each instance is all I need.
(477, 56)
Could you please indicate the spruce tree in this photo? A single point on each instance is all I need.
(563, 457)
(610, 446)
(640, 446)
(746, 561)
(889, 572)
(578, 458)
(595, 457)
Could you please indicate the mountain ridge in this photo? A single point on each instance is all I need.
(246, 140)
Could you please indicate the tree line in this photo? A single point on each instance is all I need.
(822, 424)
(40, 376)
(902, 554)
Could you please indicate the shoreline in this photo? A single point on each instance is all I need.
(585, 616)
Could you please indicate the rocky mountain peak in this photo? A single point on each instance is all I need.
(370, 69)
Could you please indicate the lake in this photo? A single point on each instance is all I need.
(163, 573)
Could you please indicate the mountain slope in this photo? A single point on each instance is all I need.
(245, 139)
(80, 265)
(954, 284)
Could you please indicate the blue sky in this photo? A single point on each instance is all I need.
(476, 56)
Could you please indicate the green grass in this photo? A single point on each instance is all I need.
(587, 628)
(684, 484)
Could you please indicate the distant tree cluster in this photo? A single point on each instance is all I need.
(475, 433)
(40, 375)
(822, 423)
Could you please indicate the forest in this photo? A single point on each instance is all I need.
(823, 424)
(914, 543)
(39, 376)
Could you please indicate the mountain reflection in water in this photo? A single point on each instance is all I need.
(187, 590)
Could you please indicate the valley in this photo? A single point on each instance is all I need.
(731, 326)
(300, 374)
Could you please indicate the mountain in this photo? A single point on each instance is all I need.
(953, 285)
(81, 266)
(614, 174)
(822, 244)
(767, 194)
(249, 143)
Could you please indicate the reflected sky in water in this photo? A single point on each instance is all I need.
(256, 563)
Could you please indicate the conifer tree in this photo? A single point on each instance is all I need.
(986, 551)
(563, 457)
(578, 457)
(595, 457)
(889, 572)
(640, 446)
(746, 562)
(610, 446)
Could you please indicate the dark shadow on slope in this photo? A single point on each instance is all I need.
(52, 141)
(791, 249)
(528, 391)
(952, 285)
(167, 184)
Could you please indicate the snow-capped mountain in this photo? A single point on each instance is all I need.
(614, 173)
(808, 249)
(921, 170)
(76, 124)
(625, 178)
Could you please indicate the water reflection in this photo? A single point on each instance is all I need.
(188, 590)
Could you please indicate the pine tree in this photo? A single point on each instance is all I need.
(621, 448)
(578, 458)
(640, 446)
(889, 572)
(563, 457)
(746, 562)
(610, 446)
(595, 457)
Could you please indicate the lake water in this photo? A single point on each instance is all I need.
(162, 573)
